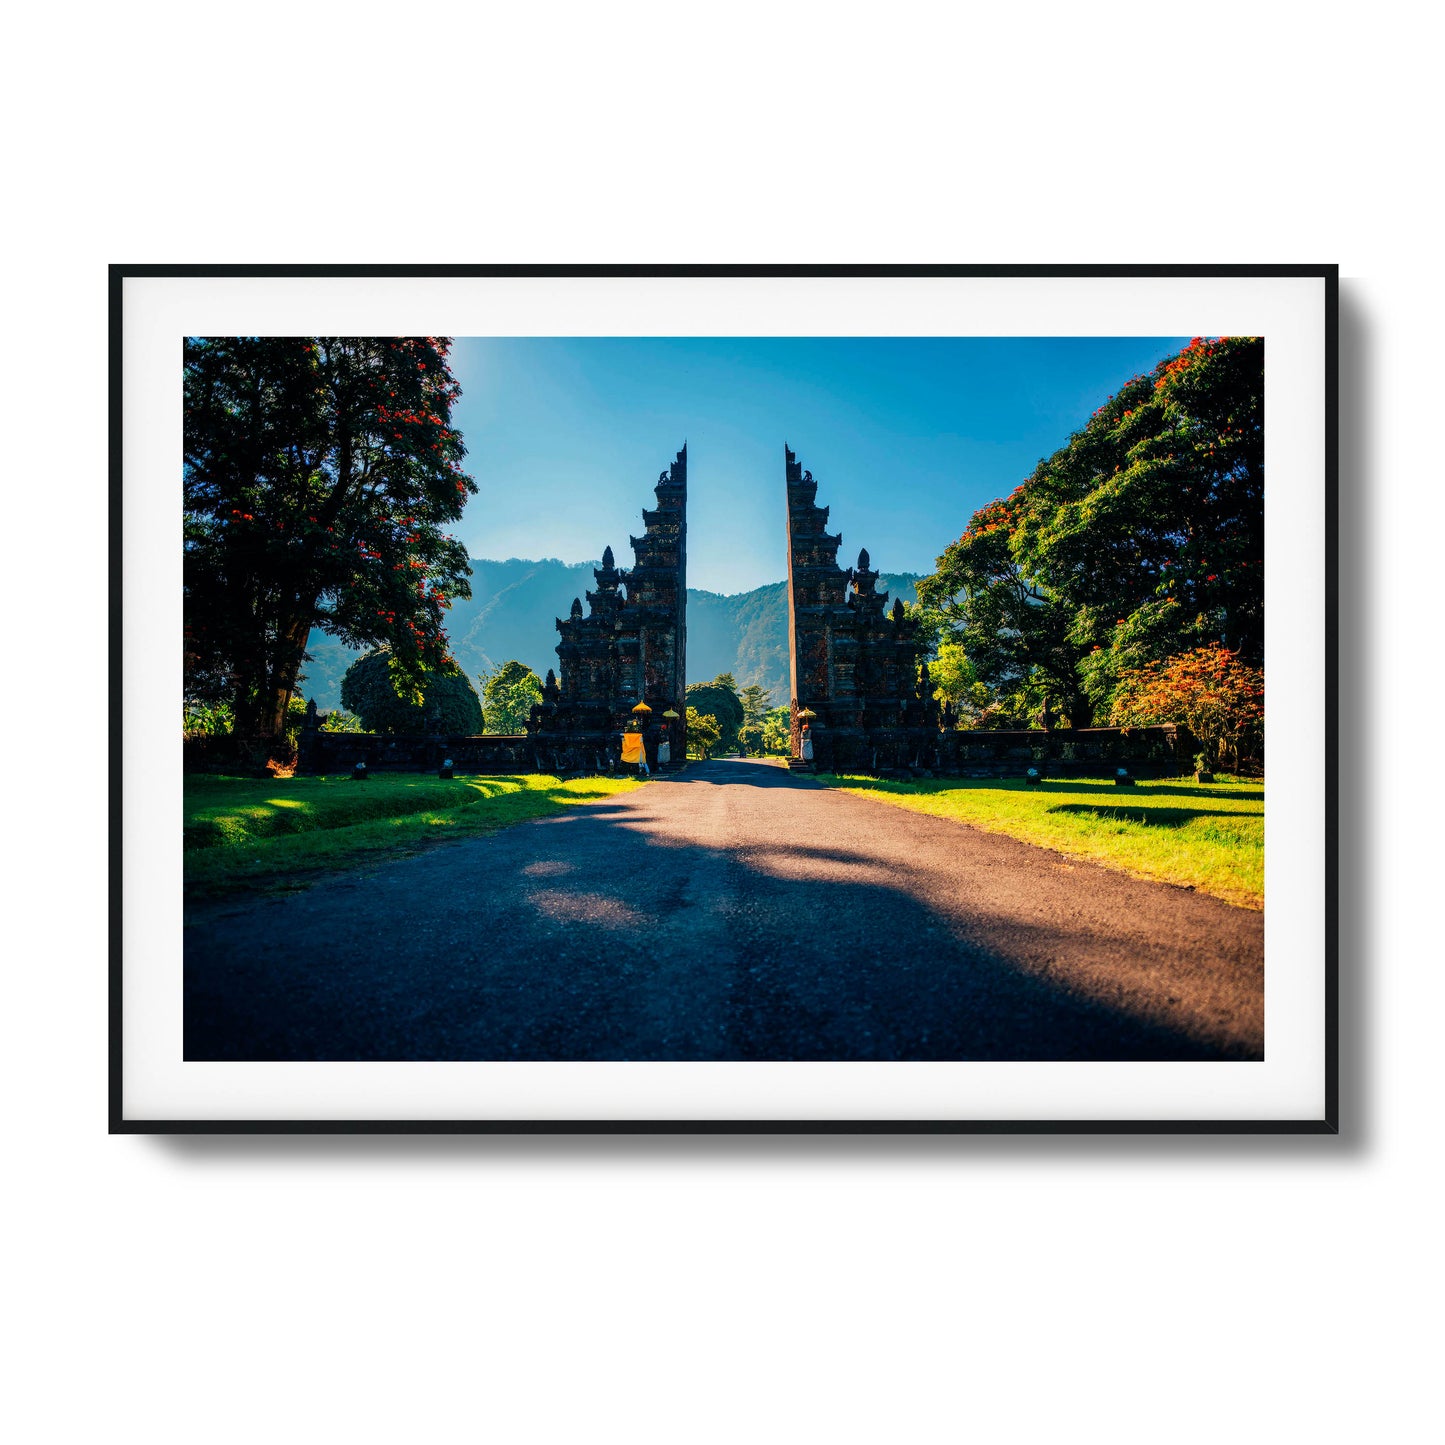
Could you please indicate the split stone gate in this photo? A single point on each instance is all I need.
(857, 671)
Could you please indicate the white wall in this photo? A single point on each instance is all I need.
(988, 1289)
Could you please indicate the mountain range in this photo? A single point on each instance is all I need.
(513, 609)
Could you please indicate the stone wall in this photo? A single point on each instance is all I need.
(320, 752)
(327, 752)
(1148, 752)
(579, 751)
(912, 750)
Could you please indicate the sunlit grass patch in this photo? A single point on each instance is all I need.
(268, 834)
(1208, 836)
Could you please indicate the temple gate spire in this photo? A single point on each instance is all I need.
(852, 664)
(629, 648)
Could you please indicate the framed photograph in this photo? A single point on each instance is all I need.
(723, 699)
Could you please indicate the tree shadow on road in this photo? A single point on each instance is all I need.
(734, 772)
(590, 935)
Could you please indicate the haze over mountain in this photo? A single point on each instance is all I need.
(515, 604)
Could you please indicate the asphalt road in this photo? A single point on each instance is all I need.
(731, 912)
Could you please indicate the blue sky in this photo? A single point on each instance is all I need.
(906, 436)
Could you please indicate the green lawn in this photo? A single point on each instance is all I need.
(1206, 835)
(245, 834)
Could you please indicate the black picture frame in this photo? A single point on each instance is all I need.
(1329, 1120)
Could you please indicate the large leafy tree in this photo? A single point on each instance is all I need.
(703, 734)
(508, 696)
(777, 731)
(719, 700)
(1151, 521)
(955, 681)
(756, 701)
(1141, 539)
(446, 701)
(320, 473)
(1014, 631)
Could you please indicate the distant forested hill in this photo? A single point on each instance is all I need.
(747, 634)
(514, 606)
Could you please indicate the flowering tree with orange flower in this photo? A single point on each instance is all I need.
(320, 474)
(1140, 539)
(1155, 522)
(1209, 690)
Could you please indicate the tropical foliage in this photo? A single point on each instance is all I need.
(319, 475)
(777, 732)
(719, 700)
(508, 696)
(206, 719)
(703, 734)
(1216, 696)
(757, 702)
(1140, 540)
(955, 681)
(380, 693)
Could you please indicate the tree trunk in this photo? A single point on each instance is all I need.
(290, 649)
(246, 708)
(1081, 710)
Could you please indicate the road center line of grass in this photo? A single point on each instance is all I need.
(1207, 836)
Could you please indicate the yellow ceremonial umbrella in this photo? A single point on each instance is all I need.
(642, 707)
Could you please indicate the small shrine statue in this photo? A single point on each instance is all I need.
(664, 750)
(1046, 717)
(635, 752)
(807, 744)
